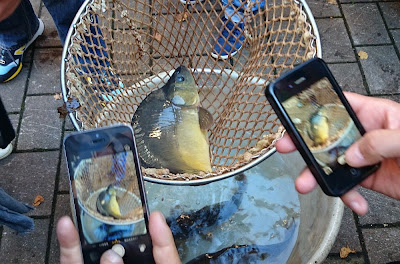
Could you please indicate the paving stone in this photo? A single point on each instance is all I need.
(322, 8)
(365, 23)
(45, 75)
(336, 45)
(41, 125)
(50, 36)
(347, 235)
(25, 175)
(12, 92)
(351, 259)
(382, 75)
(14, 118)
(391, 13)
(382, 244)
(382, 209)
(68, 124)
(62, 208)
(27, 58)
(29, 248)
(396, 37)
(349, 77)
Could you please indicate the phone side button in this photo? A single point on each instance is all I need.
(119, 249)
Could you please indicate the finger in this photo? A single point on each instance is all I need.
(375, 113)
(374, 147)
(70, 248)
(164, 249)
(355, 201)
(306, 182)
(285, 144)
(110, 257)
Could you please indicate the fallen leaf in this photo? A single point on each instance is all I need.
(62, 110)
(158, 37)
(181, 16)
(38, 200)
(70, 106)
(58, 96)
(345, 251)
(332, 2)
(363, 55)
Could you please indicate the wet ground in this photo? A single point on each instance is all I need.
(37, 165)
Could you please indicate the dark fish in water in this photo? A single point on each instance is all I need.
(107, 203)
(199, 221)
(249, 253)
(171, 128)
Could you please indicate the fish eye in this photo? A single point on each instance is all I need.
(180, 79)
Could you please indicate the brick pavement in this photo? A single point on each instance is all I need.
(37, 165)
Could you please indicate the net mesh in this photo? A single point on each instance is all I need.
(120, 51)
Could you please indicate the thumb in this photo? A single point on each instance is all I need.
(110, 257)
(164, 249)
(70, 248)
(374, 147)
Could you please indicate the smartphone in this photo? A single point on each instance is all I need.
(319, 120)
(7, 133)
(108, 194)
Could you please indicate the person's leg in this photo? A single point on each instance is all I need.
(17, 32)
(63, 12)
(94, 71)
(231, 36)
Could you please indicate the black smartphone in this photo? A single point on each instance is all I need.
(7, 133)
(318, 118)
(108, 194)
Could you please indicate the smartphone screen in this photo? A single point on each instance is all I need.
(108, 191)
(321, 123)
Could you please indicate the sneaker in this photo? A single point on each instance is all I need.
(230, 41)
(5, 152)
(11, 60)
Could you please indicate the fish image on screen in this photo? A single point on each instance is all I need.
(108, 198)
(323, 123)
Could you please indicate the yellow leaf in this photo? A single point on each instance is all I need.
(332, 2)
(345, 251)
(38, 200)
(181, 16)
(363, 55)
(158, 37)
(58, 96)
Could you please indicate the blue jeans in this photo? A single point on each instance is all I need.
(240, 5)
(19, 27)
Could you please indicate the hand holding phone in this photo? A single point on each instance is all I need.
(108, 194)
(321, 123)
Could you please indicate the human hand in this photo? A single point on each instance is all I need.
(164, 250)
(381, 143)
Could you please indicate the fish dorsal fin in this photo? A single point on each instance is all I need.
(205, 119)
